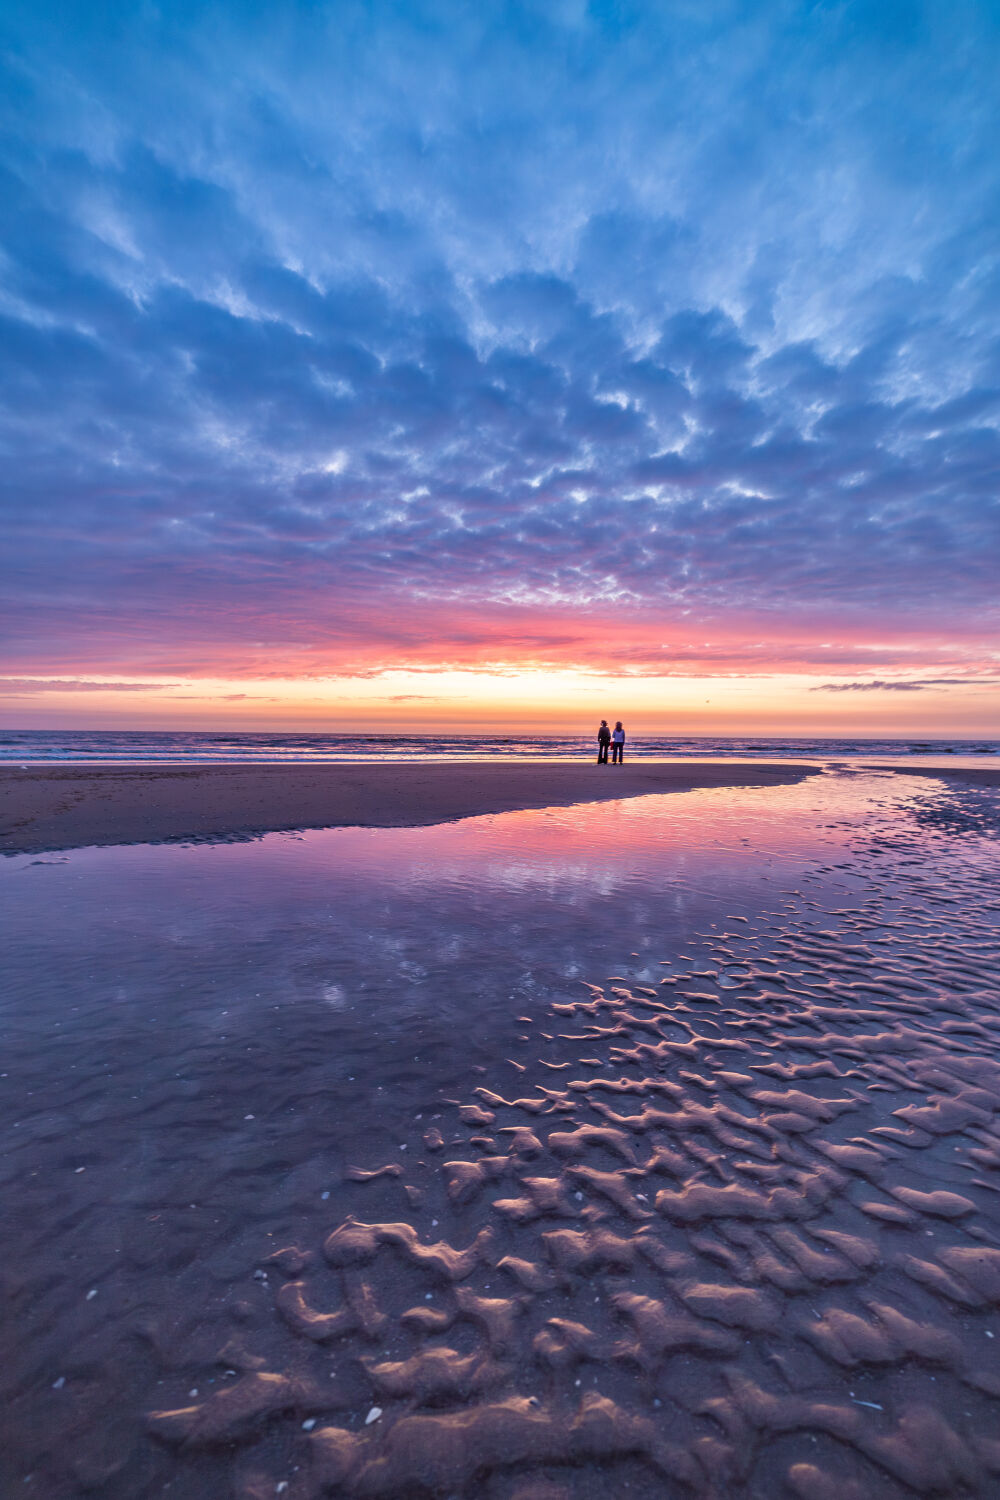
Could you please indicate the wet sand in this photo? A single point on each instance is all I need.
(47, 808)
(984, 776)
(731, 1233)
(721, 1222)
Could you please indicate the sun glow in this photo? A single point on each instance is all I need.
(506, 698)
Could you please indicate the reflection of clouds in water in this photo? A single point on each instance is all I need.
(602, 846)
(411, 972)
(570, 880)
(390, 917)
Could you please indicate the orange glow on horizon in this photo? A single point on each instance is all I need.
(511, 701)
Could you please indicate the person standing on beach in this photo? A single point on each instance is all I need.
(603, 741)
(618, 745)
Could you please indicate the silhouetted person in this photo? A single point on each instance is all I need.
(617, 746)
(603, 741)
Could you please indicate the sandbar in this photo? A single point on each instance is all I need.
(967, 775)
(48, 808)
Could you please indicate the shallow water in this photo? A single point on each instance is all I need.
(693, 1096)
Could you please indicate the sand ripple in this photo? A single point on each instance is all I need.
(734, 1233)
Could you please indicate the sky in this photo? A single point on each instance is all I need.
(416, 365)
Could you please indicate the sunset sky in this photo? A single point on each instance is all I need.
(481, 365)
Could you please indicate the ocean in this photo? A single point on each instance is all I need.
(180, 746)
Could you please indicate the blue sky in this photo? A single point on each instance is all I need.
(340, 338)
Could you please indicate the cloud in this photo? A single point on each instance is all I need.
(456, 333)
(76, 685)
(902, 687)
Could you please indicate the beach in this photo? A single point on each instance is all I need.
(636, 1146)
(407, 410)
(45, 808)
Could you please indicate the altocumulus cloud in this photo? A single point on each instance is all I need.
(374, 335)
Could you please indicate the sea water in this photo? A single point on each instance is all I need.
(180, 746)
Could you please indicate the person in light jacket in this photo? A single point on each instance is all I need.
(618, 745)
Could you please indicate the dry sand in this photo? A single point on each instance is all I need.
(44, 808)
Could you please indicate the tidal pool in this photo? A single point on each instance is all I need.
(645, 1148)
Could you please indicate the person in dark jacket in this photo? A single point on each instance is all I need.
(618, 745)
(603, 741)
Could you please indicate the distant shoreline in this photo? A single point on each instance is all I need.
(46, 808)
